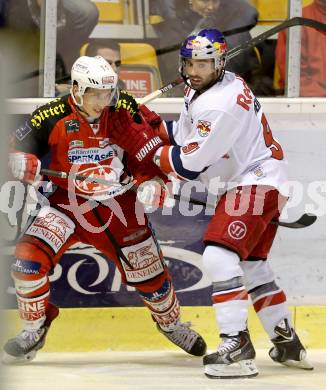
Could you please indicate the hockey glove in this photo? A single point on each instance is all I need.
(127, 102)
(153, 185)
(150, 116)
(153, 193)
(139, 140)
(25, 167)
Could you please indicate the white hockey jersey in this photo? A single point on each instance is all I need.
(223, 134)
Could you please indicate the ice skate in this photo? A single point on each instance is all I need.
(186, 338)
(288, 349)
(234, 358)
(23, 348)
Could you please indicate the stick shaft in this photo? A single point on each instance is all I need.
(67, 175)
(305, 218)
(296, 21)
(304, 221)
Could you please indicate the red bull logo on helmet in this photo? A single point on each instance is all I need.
(204, 128)
(195, 43)
(220, 47)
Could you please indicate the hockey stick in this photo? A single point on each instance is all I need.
(304, 221)
(67, 175)
(160, 91)
(296, 21)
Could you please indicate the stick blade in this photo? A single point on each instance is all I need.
(304, 221)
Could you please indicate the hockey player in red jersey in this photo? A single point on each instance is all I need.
(78, 131)
(223, 134)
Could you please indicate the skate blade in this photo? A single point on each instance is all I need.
(303, 364)
(10, 359)
(242, 369)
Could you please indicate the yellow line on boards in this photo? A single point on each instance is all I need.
(131, 328)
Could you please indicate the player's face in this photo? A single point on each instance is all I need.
(201, 73)
(112, 57)
(205, 8)
(95, 100)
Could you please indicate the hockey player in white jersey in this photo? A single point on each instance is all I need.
(223, 133)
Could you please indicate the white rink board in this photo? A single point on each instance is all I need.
(299, 256)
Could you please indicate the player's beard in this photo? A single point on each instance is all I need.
(203, 84)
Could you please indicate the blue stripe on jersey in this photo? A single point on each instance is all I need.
(169, 128)
(178, 167)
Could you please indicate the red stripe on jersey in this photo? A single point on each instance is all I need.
(165, 161)
(187, 91)
(230, 296)
(270, 300)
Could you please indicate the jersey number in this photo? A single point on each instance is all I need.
(270, 142)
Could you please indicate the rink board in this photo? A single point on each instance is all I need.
(99, 313)
(123, 329)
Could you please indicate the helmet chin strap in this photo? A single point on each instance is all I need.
(80, 107)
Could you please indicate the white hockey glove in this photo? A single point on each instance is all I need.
(25, 167)
(153, 193)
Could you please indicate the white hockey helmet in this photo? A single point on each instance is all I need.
(93, 72)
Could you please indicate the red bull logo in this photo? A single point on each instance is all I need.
(220, 47)
(204, 128)
(194, 44)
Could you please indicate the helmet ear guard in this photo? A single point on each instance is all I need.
(92, 72)
(206, 44)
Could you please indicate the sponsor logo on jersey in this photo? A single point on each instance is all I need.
(90, 155)
(190, 148)
(23, 131)
(108, 173)
(148, 147)
(104, 142)
(237, 230)
(161, 293)
(204, 128)
(26, 267)
(83, 273)
(45, 113)
(52, 227)
(76, 143)
(258, 171)
(32, 309)
(257, 106)
(72, 126)
(145, 260)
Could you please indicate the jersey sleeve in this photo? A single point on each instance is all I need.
(33, 135)
(212, 135)
(171, 128)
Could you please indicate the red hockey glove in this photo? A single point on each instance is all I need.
(139, 140)
(150, 116)
(25, 167)
(156, 123)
